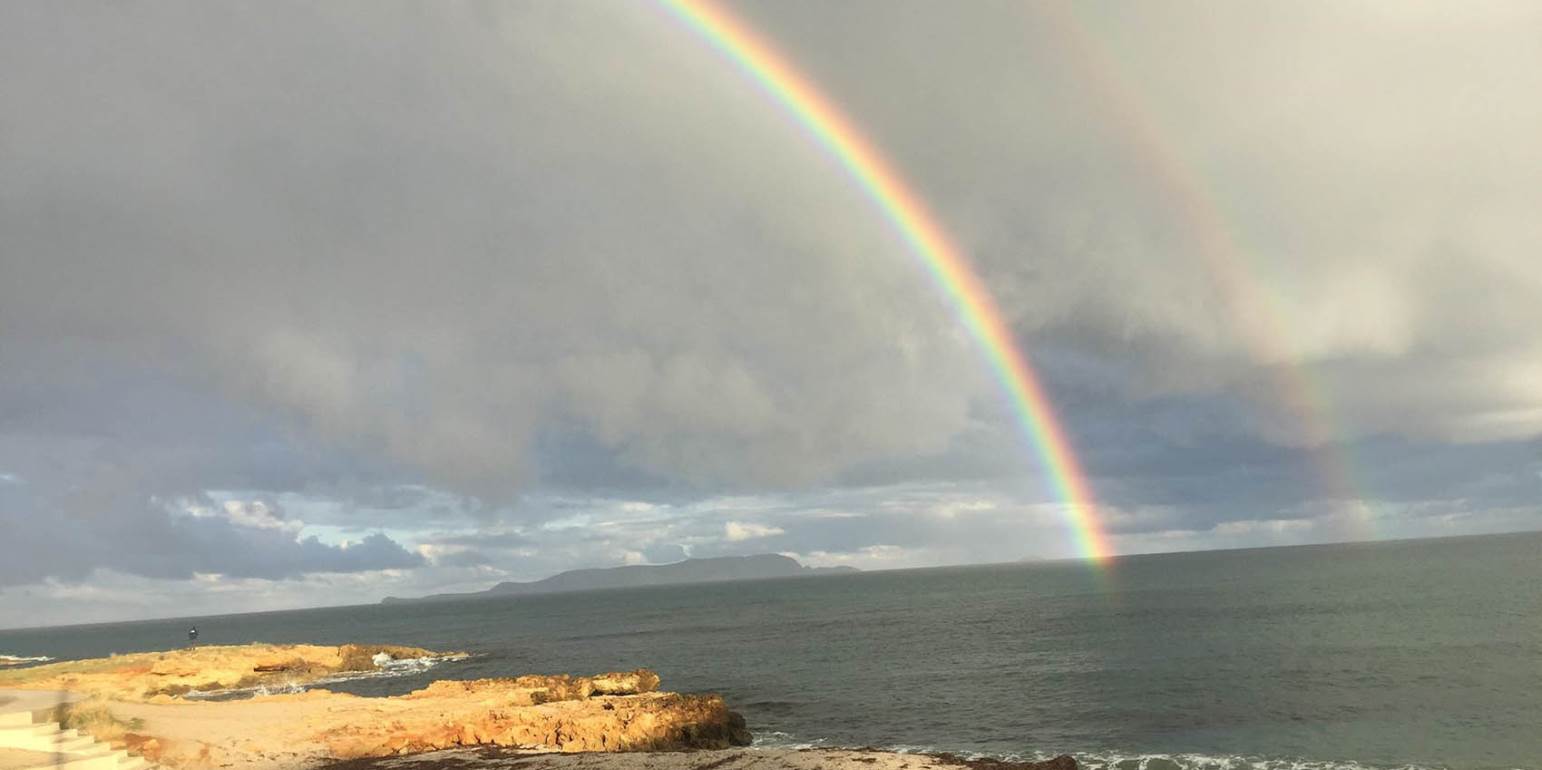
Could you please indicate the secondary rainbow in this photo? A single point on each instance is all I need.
(1242, 285)
(943, 260)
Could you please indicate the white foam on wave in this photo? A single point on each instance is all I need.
(384, 669)
(235, 693)
(1122, 761)
(16, 660)
(393, 668)
(775, 739)
(1107, 760)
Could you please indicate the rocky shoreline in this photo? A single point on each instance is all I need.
(151, 704)
(488, 758)
(142, 702)
(162, 677)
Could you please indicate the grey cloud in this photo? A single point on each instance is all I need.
(107, 529)
(426, 234)
(664, 553)
(107, 596)
(1363, 177)
(107, 450)
(409, 267)
(487, 540)
(463, 559)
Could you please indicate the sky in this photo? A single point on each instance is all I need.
(309, 305)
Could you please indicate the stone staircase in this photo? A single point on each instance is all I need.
(28, 742)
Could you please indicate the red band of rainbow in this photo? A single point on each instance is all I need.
(946, 264)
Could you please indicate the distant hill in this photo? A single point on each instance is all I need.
(723, 568)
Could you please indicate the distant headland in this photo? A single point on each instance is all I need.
(714, 570)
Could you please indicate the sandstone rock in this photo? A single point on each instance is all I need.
(535, 689)
(616, 711)
(738, 730)
(640, 681)
(150, 748)
(141, 676)
(458, 714)
(1062, 762)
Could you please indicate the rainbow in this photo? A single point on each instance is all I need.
(1260, 320)
(944, 262)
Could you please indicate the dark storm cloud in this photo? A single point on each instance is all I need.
(102, 452)
(426, 233)
(1368, 169)
(150, 538)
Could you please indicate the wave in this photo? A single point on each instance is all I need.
(384, 669)
(19, 660)
(1122, 761)
(1108, 760)
(775, 739)
(392, 667)
(242, 693)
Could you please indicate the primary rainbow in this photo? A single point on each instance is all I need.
(946, 264)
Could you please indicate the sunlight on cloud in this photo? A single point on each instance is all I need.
(737, 531)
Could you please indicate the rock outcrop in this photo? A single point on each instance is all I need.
(145, 675)
(649, 722)
(488, 758)
(144, 698)
(535, 690)
(1062, 762)
(609, 712)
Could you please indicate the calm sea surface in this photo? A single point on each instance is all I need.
(1423, 653)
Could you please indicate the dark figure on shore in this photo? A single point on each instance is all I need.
(192, 635)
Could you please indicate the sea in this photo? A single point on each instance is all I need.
(1406, 654)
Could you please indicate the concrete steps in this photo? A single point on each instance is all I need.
(15, 718)
(45, 737)
(116, 760)
(47, 745)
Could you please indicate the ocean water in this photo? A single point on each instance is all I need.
(1402, 654)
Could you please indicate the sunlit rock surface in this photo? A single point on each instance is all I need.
(145, 702)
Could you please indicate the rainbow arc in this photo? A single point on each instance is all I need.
(945, 263)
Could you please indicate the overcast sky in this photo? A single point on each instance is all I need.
(310, 304)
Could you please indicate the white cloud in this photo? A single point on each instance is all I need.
(257, 513)
(738, 531)
(878, 556)
(254, 514)
(438, 553)
(956, 508)
(1267, 527)
(106, 596)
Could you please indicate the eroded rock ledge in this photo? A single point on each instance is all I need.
(141, 701)
(737, 759)
(607, 712)
(148, 676)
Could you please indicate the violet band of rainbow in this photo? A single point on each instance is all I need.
(944, 262)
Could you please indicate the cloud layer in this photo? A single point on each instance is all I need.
(431, 235)
(436, 280)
